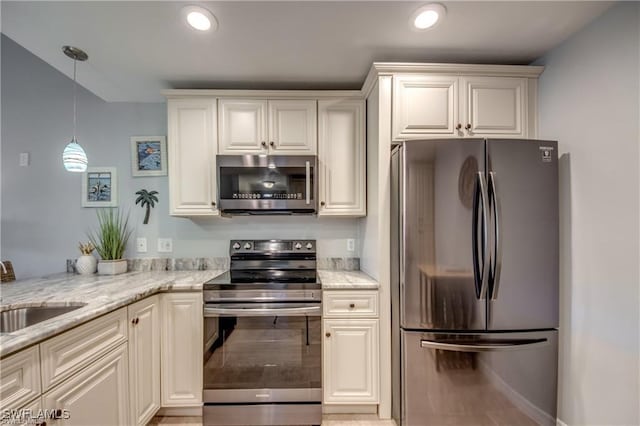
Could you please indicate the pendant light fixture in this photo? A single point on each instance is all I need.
(74, 157)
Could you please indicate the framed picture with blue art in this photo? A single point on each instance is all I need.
(100, 187)
(149, 156)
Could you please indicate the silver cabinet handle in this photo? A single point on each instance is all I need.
(483, 345)
(494, 276)
(307, 187)
(251, 312)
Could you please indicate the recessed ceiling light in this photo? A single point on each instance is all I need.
(199, 18)
(427, 16)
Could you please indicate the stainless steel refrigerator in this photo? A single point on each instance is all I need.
(474, 282)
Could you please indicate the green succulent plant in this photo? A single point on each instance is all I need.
(110, 240)
(146, 199)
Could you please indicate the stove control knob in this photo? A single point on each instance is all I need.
(309, 246)
(247, 246)
(298, 246)
(236, 246)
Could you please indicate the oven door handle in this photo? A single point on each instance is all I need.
(265, 312)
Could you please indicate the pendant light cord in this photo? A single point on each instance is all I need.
(74, 100)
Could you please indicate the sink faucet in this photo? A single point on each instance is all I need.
(4, 270)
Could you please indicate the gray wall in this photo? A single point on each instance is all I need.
(589, 94)
(41, 217)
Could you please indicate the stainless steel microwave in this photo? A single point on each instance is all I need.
(267, 184)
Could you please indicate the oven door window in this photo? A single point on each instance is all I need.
(263, 352)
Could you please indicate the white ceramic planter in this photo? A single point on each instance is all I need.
(86, 264)
(112, 267)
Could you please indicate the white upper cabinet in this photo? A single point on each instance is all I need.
(243, 126)
(283, 127)
(292, 127)
(341, 158)
(426, 106)
(494, 106)
(192, 157)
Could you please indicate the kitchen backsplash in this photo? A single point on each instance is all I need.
(205, 263)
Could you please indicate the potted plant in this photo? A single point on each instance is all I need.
(87, 263)
(110, 241)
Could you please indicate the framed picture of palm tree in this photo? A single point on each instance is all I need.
(149, 156)
(100, 187)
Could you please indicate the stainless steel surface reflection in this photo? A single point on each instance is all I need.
(16, 319)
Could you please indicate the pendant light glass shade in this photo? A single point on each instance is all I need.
(73, 157)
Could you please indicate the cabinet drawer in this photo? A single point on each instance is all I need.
(69, 352)
(352, 304)
(20, 381)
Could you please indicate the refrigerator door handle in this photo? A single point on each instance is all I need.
(494, 275)
(483, 345)
(480, 272)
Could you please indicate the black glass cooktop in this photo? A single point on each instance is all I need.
(280, 280)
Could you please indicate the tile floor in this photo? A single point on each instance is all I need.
(328, 420)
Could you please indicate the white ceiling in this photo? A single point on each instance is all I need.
(136, 49)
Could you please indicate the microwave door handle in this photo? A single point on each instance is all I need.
(308, 182)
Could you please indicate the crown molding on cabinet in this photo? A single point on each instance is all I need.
(389, 68)
(259, 94)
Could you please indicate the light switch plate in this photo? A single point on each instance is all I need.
(141, 245)
(24, 159)
(165, 245)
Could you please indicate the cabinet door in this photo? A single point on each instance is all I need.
(494, 106)
(243, 126)
(350, 361)
(292, 127)
(181, 343)
(144, 359)
(424, 105)
(341, 158)
(97, 395)
(20, 378)
(192, 157)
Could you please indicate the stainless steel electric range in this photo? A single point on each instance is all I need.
(262, 347)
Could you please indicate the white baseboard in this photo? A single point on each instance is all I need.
(350, 409)
(180, 411)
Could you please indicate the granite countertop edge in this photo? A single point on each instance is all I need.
(105, 294)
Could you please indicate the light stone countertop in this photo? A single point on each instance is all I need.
(102, 294)
(346, 280)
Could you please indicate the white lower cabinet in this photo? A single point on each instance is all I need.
(350, 347)
(181, 349)
(20, 378)
(97, 395)
(144, 359)
(350, 356)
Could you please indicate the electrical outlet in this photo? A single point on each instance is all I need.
(24, 159)
(165, 245)
(141, 245)
(351, 244)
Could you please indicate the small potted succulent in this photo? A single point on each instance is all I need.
(110, 241)
(87, 263)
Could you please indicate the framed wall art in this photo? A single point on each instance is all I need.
(100, 187)
(149, 156)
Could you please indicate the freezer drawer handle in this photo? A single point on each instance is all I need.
(483, 346)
